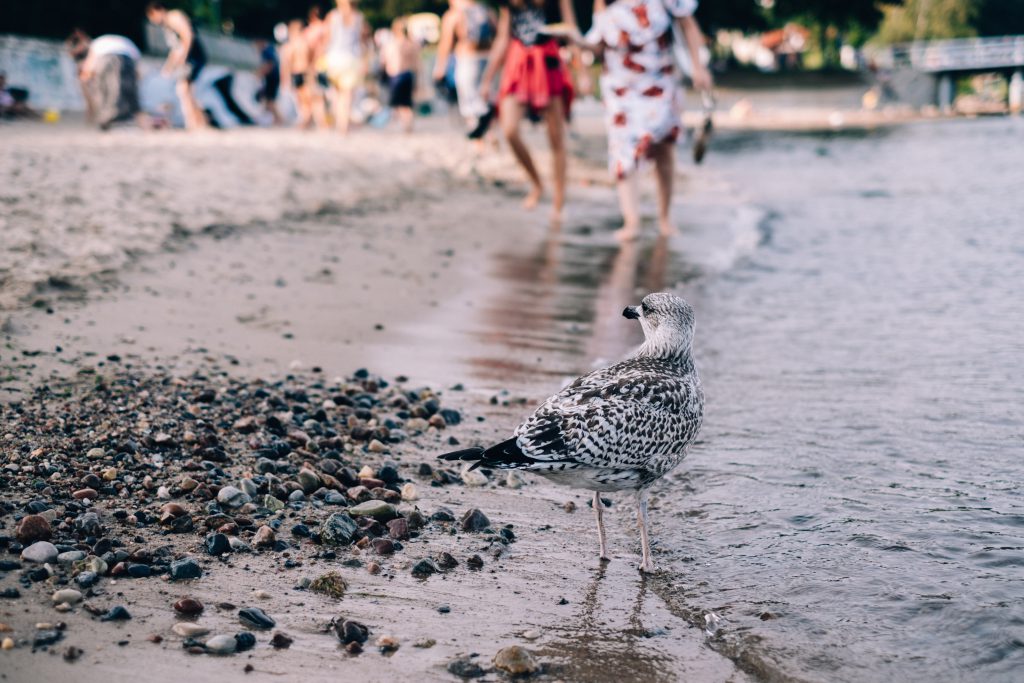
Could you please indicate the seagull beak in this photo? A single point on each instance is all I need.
(631, 313)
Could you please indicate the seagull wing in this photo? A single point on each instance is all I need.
(618, 417)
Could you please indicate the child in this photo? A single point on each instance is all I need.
(401, 61)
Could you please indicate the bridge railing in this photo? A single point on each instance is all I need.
(963, 54)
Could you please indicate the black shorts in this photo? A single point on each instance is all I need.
(401, 88)
(322, 80)
(298, 80)
(195, 65)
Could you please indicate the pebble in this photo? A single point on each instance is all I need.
(376, 446)
(273, 504)
(40, 552)
(238, 545)
(32, 528)
(376, 509)
(387, 644)
(244, 641)
(475, 562)
(516, 660)
(514, 480)
(398, 529)
(186, 568)
(474, 520)
(281, 641)
(264, 537)
(308, 480)
(188, 606)
(232, 497)
(463, 667)
(338, 529)
(116, 613)
(217, 544)
(96, 453)
(424, 568)
(349, 631)
(85, 494)
(409, 492)
(255, 618)
(71, 557)
(187, 629)
(221, 645)
(87, 579)
(68, 595)
(472, 477)
(383, 546)
(7, 644)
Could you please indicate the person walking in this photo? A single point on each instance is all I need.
(468, 29)
(185, 60)
(534, 82)
(401, 58)
(345, 54)
(642, 95)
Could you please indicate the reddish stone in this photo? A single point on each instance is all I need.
(32, 528)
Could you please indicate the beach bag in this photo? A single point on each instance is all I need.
(480, 29)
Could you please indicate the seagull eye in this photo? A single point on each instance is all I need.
(645, 308)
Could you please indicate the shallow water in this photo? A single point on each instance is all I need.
(854, 510)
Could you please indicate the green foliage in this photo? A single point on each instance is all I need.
(928, 19)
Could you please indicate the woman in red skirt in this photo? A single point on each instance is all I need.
(534, 81)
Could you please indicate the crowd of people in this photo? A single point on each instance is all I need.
(527, 60)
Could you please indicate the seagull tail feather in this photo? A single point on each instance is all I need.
(504, 455)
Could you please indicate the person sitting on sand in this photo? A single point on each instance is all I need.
(14, 101)
(185, 60)
(468, 29)
(110, 74)
(401, 60)
(534, 82)
(642, 95)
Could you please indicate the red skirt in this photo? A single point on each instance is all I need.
(535, 75)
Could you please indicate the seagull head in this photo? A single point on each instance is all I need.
(667, 322)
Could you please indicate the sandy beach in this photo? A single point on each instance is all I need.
(258, 254)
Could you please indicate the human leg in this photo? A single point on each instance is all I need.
(511, 115)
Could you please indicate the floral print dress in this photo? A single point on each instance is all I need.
(641, 92)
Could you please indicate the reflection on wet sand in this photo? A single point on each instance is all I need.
(614, 632)
(560, 309)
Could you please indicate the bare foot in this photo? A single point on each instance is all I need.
(533, 197)
(666, 228)
(627, 233)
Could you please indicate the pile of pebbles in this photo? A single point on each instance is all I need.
(147, 475)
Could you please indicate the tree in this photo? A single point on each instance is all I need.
(928, 20)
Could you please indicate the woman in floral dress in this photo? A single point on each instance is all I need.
(642, 95)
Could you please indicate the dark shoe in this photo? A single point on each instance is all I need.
(482, 124)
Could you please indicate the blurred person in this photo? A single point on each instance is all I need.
(315, 35)
(345, 54)
(77, 45)
(535, 82)
(297, 71)
(14, 101)
(270, 79)
(185, 60)
(110, 74)
(467, 31)
(401, 57)
(642, 95)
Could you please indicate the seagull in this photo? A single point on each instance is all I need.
(620, 428)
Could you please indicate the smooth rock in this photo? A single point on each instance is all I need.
(472, 477)
(70, 557)
(516, 660)
(349, 631)
(463, 667)
(186, 568)
(398, 529)
(254, 617)
(41, 552)
(68, 595)
(424, 568)
(116, 613)
(232, 497)
(221, 645)
(273, 504)
(474, 520)
(187, 629)
(238, 545)
(308, 480)
(244, 641)
(281, 641)
(409, 492)
(338, 529)
(217, 544)
(377, 509)
(87, 579)
(188, 606)
(264, 537)
(32, 528)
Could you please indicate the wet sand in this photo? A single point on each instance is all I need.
(451, 283)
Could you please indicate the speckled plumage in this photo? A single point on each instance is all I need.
(619, 428)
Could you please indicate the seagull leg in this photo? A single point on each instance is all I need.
(646, 562)
(599, 513)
